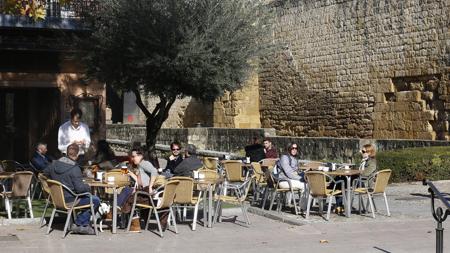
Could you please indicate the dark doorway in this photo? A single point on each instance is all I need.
(28, 115)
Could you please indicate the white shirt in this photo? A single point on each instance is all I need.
(67, 135)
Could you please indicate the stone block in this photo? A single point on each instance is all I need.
(404, 96)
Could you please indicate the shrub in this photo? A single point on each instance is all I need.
(413, 164)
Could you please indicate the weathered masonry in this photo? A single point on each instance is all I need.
(362, 68)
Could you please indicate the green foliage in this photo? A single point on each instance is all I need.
(414, 164)
(197, 48)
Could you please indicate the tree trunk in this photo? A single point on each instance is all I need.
(154, 121)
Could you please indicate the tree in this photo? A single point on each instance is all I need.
(173, 48)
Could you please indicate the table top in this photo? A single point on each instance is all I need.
(344, 172)
(93, 183)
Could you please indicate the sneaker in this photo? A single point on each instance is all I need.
(135, 225)
(75, 229)
(86, 230)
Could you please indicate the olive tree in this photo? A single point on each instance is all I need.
(172, 49)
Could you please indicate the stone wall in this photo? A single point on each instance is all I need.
(359, 68)
(234, 141)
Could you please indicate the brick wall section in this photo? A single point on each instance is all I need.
(367, 69)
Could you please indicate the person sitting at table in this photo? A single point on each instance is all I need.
(368, 163)
(145, 179)
(255, 150)
(40, 159)
(68, 172)
(269, 149)
(173, 160)
(189, 163)
(104, 157)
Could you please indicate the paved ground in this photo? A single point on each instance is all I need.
(410, 229)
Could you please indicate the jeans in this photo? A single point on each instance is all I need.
(84, 217)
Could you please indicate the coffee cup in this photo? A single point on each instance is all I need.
(195, 174)
(346, 167)
(99, 176)
(247, 159)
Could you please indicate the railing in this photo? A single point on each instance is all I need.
(54, 8)
(438, 213)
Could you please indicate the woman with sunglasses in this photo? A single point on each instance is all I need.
(369, 162)
(289, 168)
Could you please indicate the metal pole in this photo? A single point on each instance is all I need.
(439, 238)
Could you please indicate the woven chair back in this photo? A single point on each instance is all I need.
(184, 190)
(169, 194)
(233, 171)
(21, 184)
(381, 181)
(317, 183)
(210, 163)
(57, 194)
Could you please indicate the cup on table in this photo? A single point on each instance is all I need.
(195, 174)
(247, 159)
(89, 163)
(326, 169)
(124, 169)
(99, 176)
(227, 157)
(346, 167)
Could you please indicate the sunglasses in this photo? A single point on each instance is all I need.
(363, 151)
(294, 148)
(175, 149)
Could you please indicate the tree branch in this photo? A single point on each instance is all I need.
(140, 104)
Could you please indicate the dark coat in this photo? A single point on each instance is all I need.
(69, 174)
(40, 161)
(171, 165)
(255, 152)
(188, 165)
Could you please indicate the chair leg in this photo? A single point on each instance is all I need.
(194, 222)
(45, 211)
(147, 221)
(274, 194)
(69, 214)
(159, 223)
(244, 213)
(371, 205)
(265, 193)
(174, 221)
(8, 207)
(387, 205)
(308, 207)
(94, 219)
(30, 208)
(330, 198)
(51, 221)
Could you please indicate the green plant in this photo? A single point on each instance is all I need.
(413, 164)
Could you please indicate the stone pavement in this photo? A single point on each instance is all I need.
(410, 229)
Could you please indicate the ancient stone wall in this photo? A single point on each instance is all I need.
(359, 68)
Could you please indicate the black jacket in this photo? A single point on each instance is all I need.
(68, 173)
(189, 164)
(171, 165)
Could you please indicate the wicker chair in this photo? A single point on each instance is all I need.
(380, 180)
(43, 181)
(12, 166)
(211, 163)
(269, 163)
(20, 189)
(60, 205)
(318, 183)
(238, 198)
(165, 205)
(259, 181)
(186, 197)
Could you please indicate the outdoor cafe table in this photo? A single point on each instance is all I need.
(348, 175)
(98, 184)
(206, 186)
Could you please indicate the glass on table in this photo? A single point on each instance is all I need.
(124, 169)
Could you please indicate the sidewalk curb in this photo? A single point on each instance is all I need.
(275, 216)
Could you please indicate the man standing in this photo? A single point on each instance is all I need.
(269, 149)
(40, 158)
(74, 131)
(66, 171)
(189, 164)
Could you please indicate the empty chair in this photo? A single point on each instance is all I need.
(376, 186)
(60, 205)
(269, 163)
(20, 190)
(210, 163)
(259, 181)
(238, 198)
(186, 197)
(318, 183)
(234, 171)
(165, 205)
(12, 166)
